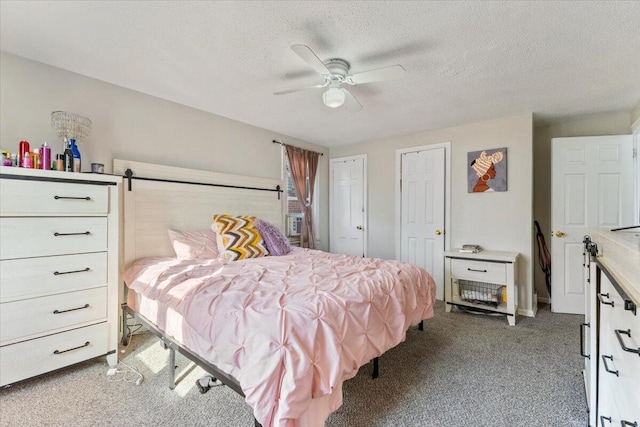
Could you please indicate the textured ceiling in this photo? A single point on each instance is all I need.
(465, 61)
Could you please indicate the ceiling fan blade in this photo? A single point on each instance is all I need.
(350, 101)
(393, 72)
(310, 58)
(284, 92)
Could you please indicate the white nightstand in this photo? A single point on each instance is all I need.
(485, 280)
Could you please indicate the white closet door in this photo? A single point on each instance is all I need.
(422, 212)
(348, 205)
(591, 186)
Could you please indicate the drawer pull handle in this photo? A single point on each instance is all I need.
(582, 352)
(628, 423)
(624, 347)
(57, 273)
(602, 301)
(71, 309)
(71, 198)
(86, 233)
(602, 418)
(604, 361)
(71, 349)
(479, 271)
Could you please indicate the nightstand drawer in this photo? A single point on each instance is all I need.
(35, 277)
(32, 197)
(34, 357)
(480, 271)
(33, 237)
(26, 318)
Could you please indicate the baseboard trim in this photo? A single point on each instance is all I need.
(534, 308)
(527, 313)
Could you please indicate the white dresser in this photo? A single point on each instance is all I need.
(612, 371)
(59, 240)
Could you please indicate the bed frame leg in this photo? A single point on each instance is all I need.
(375, 368)
(125, 335)
(172, 367)
(421, 325)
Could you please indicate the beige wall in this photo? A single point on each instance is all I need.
(603, 124)
(496, 221)
(635, 116)
(133, 126)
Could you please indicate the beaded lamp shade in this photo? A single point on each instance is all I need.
(70, 125)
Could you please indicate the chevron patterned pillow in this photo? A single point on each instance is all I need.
(240, 237)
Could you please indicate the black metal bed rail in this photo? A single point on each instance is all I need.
(128, 175)
(173, 346)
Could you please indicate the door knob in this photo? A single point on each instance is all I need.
(560, 234)
(438, 232)
(360, 227)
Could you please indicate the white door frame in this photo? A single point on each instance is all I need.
(364, 201)
(447, 191)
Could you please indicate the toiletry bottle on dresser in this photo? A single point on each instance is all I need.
(67, 159)
(45, 156)
(59, 162)
(76, 156)
(27, 160)
(24, 148)
(6, 158)
(35, 158)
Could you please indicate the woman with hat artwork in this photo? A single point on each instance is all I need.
(486, 169)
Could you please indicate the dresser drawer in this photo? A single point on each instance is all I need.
(626, 385)
(34, 357)
(33, 237)
(34, 277)
(624, 378)
(32, 197)
(479, 271)
(25, 318)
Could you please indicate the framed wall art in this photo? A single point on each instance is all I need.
(487, 170)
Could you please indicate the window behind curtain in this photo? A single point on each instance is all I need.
(293, 205)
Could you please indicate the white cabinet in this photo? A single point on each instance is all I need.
(59, 240)
(485, 280)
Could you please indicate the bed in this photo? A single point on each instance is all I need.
(283, 331)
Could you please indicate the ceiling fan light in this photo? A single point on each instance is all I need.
(333, 97)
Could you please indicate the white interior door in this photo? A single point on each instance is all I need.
(591, 186)
(348, 205)
(422, 211)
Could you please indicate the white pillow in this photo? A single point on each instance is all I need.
(194, 244)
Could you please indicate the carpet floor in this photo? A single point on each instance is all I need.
(463, 369)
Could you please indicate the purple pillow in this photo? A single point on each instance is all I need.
(276, 242)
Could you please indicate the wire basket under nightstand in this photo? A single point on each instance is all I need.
(482, 293)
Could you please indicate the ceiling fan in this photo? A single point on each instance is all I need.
(336, 73)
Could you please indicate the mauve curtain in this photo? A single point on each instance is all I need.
(303, 163)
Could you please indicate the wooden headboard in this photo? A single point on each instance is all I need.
(152, 207)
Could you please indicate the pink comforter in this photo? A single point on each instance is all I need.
(293, 327)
